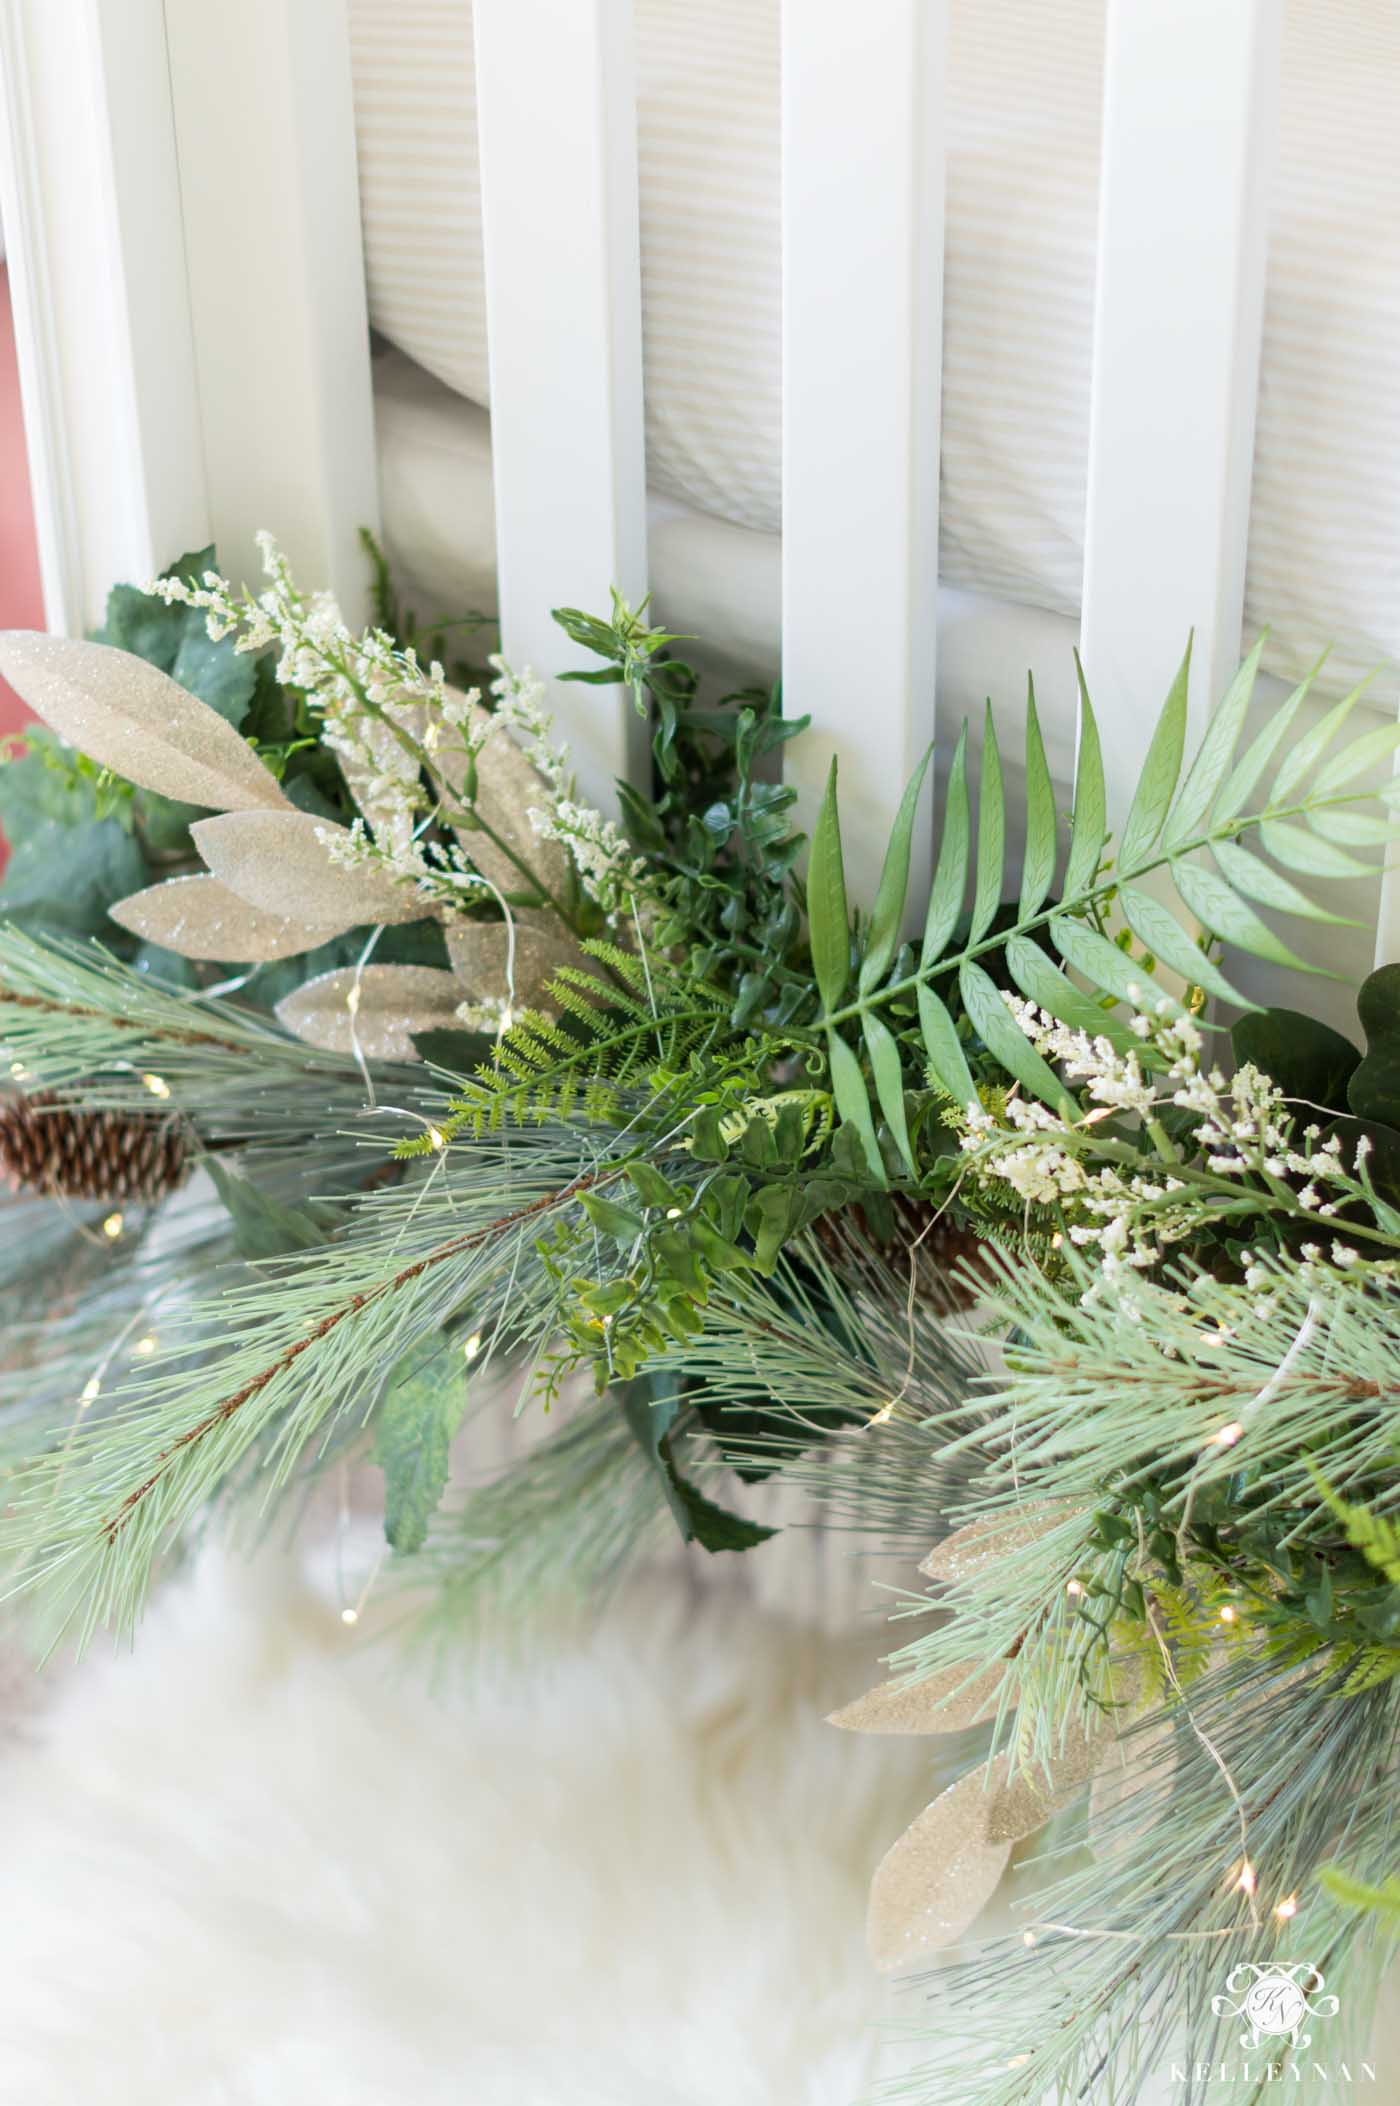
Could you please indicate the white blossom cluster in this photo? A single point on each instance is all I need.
(1129, 1207)
(387, 718)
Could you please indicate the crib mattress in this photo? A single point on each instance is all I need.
(1324, 559)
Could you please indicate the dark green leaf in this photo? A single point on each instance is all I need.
(1374, 1089)
(652, 1188)
(944, 1049)
(1157, 782)
(263, 1226)
(650, 1420)
(886, 1067)
(888, 911)
(64, 881)
(1217, 750)
(1309, 1061)
(991, 835)
(421, 1409)
(1005, 1040)
(1038, 868)
(828, 924)
(950, 878)
(1089, 827)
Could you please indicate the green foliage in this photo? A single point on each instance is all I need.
(176, 639)
(652, 1419)
(264, 1226)
(1311, 1062)
(425, 1395)
(1171, 821)
(430, 639)
(1382, 1901)
(714, 829)
(1376, 1536)
(1373, 1091)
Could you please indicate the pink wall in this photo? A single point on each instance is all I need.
(21, 602)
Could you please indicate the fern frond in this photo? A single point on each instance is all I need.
(1175, 823)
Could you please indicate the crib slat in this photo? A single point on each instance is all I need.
(91, 203)
(265, 126)
(1190, 110)
(863, 189)
(556, 119)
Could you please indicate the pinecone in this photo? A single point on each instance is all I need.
(938, 1243)
(49, 1145)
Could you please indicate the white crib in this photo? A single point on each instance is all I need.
(180, 200)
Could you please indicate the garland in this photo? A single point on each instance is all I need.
(641, 1102)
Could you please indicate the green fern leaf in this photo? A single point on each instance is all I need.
(1217, 749)
(1157, 782)
(1218, 909)
(947, 1062)
(1005, 1040)
(991, 835)
(1155, 925)
(888, 911)
(828, 924)
(950, 877)
(1089, 830)
(889, 1083)
(1038, 866)
(1308, 750)
(1258, 881)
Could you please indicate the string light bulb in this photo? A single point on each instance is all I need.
(112, 1227)
(145, 1345)
(1075, 1589)
(91, 1390)
(1227, 1436)
(472, 1346)
(1287, 1908)
(437, 1138)
(1229, 1615)
(1248, 1880)
(349, 1616)
(157, 1085)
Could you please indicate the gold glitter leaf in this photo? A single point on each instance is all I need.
(376, 1009)
(478, 951)
(135, 720)
(933, 1884)
(944, 1703)
(269, 858)
(990, 1538)
(1039, 1790)
(200, 918)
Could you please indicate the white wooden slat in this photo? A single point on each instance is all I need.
(556, 116)
(265, 127)
(1190, 112)
(91, 200)
(863, 93)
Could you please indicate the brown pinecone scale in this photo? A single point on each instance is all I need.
(48, 1145)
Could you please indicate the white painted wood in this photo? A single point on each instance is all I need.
(91, 200)
(863, 191)
(264, 121)
(556, 115)
(1190, 111)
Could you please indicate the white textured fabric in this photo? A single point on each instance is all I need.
(1022, 203)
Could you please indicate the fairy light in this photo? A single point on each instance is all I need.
(19, 1071)
(349, 1616)
(91, 1390)
(437, 1138)
(1287, 1908)
(1227, 1436)
(112, 1227)
(472, 1346)
(157, 1085)
(145, 1345)
(883, 1416)
(1075, 1589)
(1248, 1881)
(1229, 1615)
(1028, 1939)
(673, 1213)
(1056, 1240)
(352, 999)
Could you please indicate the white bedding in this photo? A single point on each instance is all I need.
(1023, 153)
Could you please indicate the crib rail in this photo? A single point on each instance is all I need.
(179, 194)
